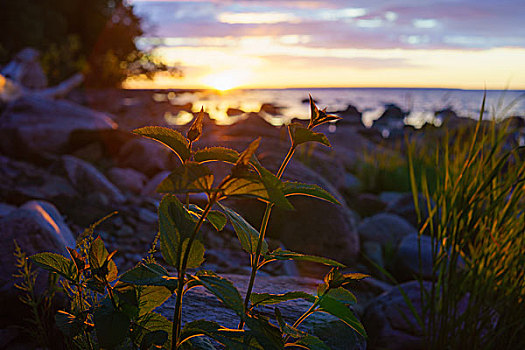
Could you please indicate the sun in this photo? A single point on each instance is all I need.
(227, 80)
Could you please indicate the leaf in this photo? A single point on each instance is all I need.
(231, 338)
(215, 217)
(266, 334)
(152, 322)
(335, 308)
(246, 155)
(343, 295)
(301, 189)
(212, 154)
(190, 177)
(141, 298)
(195, 130)
(150, 274)
(111, 325)
(247, 235)
(56, 263)
(310, 342)
(169, 137)
(157, 338)
(175, 225)
(223, 289)
(299, 134)
(279, 254)
(335, 278)
(100, 261)
(269, 299)
(68, 324)
(318, 117)
(196, 254)
(274, 188)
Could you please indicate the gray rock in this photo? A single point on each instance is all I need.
(328, 328)
(146, 156)
(151, 186)
(26, 70)
(147, 215)
(37, 227)
(407, 263)
(32, 125)
(127, 179)
(352, 183)
(404, 206)
(87, 179)
(385, 228)
(6, 209)
(390, 323)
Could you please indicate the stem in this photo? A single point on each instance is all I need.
(178, 303)
(304, 316)
(262, 233)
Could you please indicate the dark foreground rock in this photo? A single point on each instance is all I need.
(199, 304)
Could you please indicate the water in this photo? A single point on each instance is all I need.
(422, 103)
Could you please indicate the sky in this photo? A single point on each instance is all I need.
(470, 44)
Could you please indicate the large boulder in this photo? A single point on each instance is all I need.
(37, 226)
(389, 321)
(127, 179)
(146, 156)
(414, 257)
(385, 229)
(25, 69)
(32, 125)
(328, 328)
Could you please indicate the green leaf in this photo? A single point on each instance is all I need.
(151, 322)
(335, 308)
(274, 188)
(299, 134)
(318, 117)
(150, 274)
(301, 189)
(266, 334)
(190, 177)
(157, 338)
(195, 130)
(56, 263)
(212, 154)
(269, 299)
(68, 324)
(279, 254)
(343, 295)
(100, 261)
(196, 254)
(246, 155)
(247, 235)
(112, 326)
(215, 217)
(175, 225)
(231, 338)
(223, 289)
(169, 137)
(310, 342)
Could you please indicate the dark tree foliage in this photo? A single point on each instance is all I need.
(93, 36)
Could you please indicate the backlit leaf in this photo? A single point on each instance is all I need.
(266, 334)
(196, 254)
(299, 134)
(231, 338)
(157, 338)
(335, 308)
(100, 260)
(190, 177)
(248, 236)
(279, 254)
(169, 137)
(68, 324)
(343, 295)
(269, 299)
(150, 274)
(152, 322)
(301, 189)
(112, 326)
(311, 342)
(223, 289)
(56, 263)
(212, 154)
(195, 130)
(318, 117)
(215, 217)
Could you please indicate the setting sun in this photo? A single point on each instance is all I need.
(227, 80)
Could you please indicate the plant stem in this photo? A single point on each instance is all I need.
(262, 233)
(305, 315)
(178, 303)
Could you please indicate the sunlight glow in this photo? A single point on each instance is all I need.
(227, 80)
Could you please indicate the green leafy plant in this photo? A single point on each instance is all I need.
(120, 310)
(477, 227)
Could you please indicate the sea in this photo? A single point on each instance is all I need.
(421, 105)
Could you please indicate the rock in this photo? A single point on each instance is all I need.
(87, 179)
(351, 116)
(151, 186)
(389, 196)
(270, 108)
(37, 227)
(252, 127)
(25, 70)
(393, 112)
(328, 328)
(385, 228)
(352, 184)
(147, 216)
(446, 116)
(385, 319)
(146, 156)
(367, 204)
(127, 179)
(233, 112)
(32, 125)
(404, 207)
(6, 209)
(407, 263)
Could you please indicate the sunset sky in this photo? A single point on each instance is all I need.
(469, 44)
